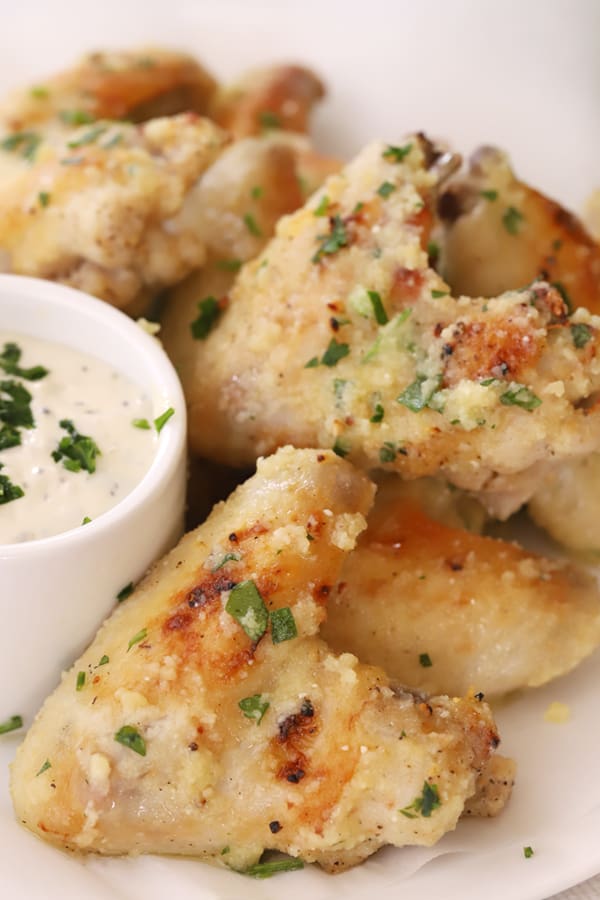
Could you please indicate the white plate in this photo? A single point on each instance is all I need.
(524, 76)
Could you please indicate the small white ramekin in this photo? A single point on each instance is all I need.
(55, 592)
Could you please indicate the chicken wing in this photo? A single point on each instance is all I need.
(448, 611)
(133, 85)
(104, 207)
(500, 234)
(211, 720)
(341, 335)
(567, 505)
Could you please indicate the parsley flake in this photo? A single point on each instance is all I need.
(512, 219)
(378, 413)
(229, 265)
(425, 660)
(44, 768)
(519, 395)
(11, 724)
(267, 869)
(433, 251)
(86, 520)
(137, 638)
(209, 313)
(8, 490)
(76, 117)
(437, 294)
(335, 351)
(415, 397)
(257, 191)
(104, 660)
(247, 607)
(251, 225)
(24, 142)
(254, 707)
(283, 625)
(43, 198)
(581, 334)
(384, 190)
(323, 206)
(397, 154)
(89, 137)
(161, 421)
(527, 852)
(229, 557)
(388, 452)
(269, 119)
(144, 424)
(9, 362)
(80, 683)
(489, 195)
(125, 592)
(77, 451)
(131, 738)
(336, 239)
(423, 805)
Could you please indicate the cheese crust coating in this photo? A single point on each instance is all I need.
(205, 726)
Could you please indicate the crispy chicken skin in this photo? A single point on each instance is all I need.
(278, 97)
(133, 85)
(103, 208)
(448, 611)
(500, 234)
(404, 377)
(322, 772)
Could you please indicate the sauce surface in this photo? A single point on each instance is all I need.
(101, 404)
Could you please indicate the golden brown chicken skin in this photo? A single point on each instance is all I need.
(105, 207)
(500, 234)
(448, 611)
(212, 720)
(135, 85)
(341, 335)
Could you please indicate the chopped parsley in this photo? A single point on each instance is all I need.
(251, 225)
(433, 251)
(39, 92)
(283, 625)
(527, 852)
(103, 660)
(522, 396)
(269, 119)
(581, 334)
(89, 137)
(425, 660)
(254, 707)
(229, 265)
(396, 154)
(161, 421)
(368, 304)
(388, 452)
(86, 520)
(77, 451)
(131, 738)
(512, 219)
(209, 312)
(229, 557)
(137, 638)
(44, 198)
(424, 804)
(437, 294)
(125, 592)
(144, 424)
(559, 286)
(341, 448)
(267, 869)
(384, 190)
(24, 142)
(8, 490)
(335, 351)
(323, 206)
(257, 191)
(76, 117)
(11, 724)
(9, 362)
(489, 195)
(247, 607)
(44, 768)
(80, 683)
(334, 241)
(377, 414)
(416, 397)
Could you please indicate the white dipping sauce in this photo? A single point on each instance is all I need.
(102, 404)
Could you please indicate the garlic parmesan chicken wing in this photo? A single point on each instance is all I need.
(103, 208)
(448, 611)
(133, 85)
(500, 234)
(340, 334)
(213, 721)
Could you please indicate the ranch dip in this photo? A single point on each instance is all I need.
(81, 442)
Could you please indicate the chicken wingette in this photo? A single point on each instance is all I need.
(208, 718)
(340, 334)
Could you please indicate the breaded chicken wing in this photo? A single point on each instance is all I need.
(567, 505)
(500, 234)
(103, 208)
(134, 85)
(341, 335)
(211, 720)
(448, 611)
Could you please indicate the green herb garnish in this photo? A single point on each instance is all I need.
(335, 351)
(425, 660)
(88, 138)
(229, 557)
(378, 413)
(11, 724)
(229, 265)
(77, 451)
(209, 312)
(76, 117)
(39, 92)
(334, 241)
(131, 738)
(9, 491)
(283, 625)
(581, 334)
(489, 195)
(86, 520)
(24, 142)
(125, 592)
(103, 660)
(437, 294)
(161, 421)
(247, 607)
(522, 396)
(269, 119)
(80, 683)
(527, 852)
(251, 225)
(137, 638)
(9, 362)
(512, 219)
(144, 424)
(254, 707)
(397, 154)
(323, 206)
(267, 869)
(415, 397)
(43, 198)
(424, 804)
(384, 190)
(388, 452)
(256, 192)
(341, 448)
(44, 768)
